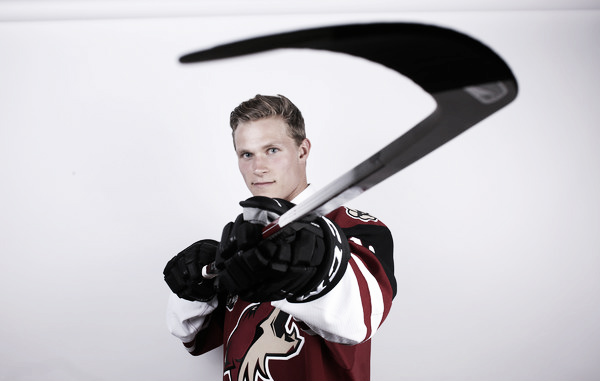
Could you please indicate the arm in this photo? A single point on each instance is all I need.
(193, 303)
(355, 308)
(186, 318)
(346, 276)
(197, 324)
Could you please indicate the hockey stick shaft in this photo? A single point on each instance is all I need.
(467, 80)
(422, 139)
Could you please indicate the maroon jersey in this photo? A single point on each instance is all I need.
(324, 339)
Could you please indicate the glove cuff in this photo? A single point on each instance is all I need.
(332, 268)
(264, 210)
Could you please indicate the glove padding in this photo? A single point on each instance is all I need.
(301, 262)
(183, 273)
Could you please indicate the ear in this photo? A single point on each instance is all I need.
(304, 150)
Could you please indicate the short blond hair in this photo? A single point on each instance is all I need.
(266, 106)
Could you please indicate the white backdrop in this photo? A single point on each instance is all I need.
(114, 157)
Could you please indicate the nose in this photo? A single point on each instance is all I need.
(259, 167)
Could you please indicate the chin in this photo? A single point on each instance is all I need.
(265, 194)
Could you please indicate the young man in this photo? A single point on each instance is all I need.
(302, 304)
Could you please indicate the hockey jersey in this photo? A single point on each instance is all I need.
(324, 339)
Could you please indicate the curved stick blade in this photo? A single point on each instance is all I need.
(435, 58)
(468, 81)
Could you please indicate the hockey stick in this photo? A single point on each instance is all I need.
(467, 80)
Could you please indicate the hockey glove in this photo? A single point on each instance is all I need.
(183, 273)
(301, 262)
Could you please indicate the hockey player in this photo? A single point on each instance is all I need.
(300, 305)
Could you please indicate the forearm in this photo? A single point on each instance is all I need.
(186, 318)
(350, 313)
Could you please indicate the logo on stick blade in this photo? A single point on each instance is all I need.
(488, 93)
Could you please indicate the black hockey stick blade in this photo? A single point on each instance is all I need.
(467, 80)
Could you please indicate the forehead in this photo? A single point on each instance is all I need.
(261, 132)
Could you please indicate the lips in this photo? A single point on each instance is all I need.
(262, 183)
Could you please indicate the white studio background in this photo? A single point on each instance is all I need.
(114, 157)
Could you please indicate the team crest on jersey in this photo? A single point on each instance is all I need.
(275, 336)
(357, 214)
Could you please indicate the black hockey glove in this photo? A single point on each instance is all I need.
(183, 273)
(301, 262)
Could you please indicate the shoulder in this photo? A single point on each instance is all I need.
(356, 223)
(346, 217)
(369, 238)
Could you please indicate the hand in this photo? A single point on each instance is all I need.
(302, 262)
(183, 273)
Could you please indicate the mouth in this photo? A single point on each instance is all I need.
(262, 183)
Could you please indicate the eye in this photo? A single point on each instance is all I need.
(245, 155)
(273, 150)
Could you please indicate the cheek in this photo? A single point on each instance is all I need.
(244, 168)
(285, 162)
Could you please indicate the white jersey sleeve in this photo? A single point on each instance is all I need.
(186, 318)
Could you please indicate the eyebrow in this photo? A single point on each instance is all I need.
(262, 148)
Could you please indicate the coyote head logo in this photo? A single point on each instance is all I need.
(276, 337)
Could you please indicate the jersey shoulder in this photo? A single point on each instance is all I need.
(372, 234)
(347, 217)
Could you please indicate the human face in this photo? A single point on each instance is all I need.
(271, 162)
